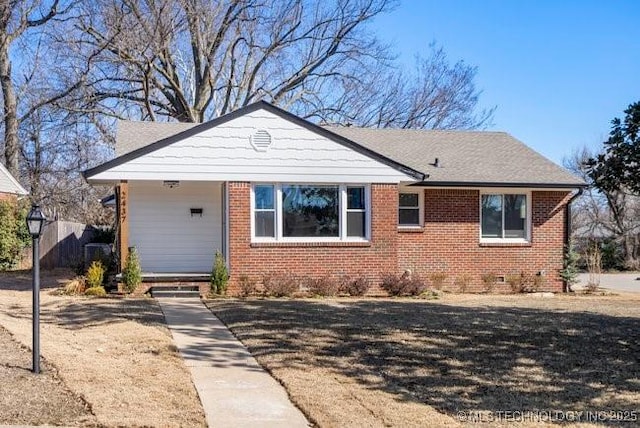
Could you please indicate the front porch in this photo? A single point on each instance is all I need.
(175, 284)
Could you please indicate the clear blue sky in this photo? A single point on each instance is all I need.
(558, 71)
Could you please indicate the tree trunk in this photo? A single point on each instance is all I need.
(11, 143)
(629, 245)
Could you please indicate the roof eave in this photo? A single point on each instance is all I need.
(474, 184)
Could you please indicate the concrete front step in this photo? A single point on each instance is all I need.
(174, 290)
(159, 292)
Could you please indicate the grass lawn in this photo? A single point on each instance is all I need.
(417, 363)
(107, 362)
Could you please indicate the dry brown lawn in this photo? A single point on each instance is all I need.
(116, 355)
(418, 363)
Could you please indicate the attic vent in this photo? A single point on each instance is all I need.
(261, 140)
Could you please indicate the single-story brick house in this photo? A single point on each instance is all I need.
(274, 192)
(10, 188)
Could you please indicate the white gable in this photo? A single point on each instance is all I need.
(8, 184)
(258, 146)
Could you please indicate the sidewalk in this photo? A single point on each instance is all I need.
(234, 390)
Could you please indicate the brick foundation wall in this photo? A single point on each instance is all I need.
(449, 242)
(318, 259)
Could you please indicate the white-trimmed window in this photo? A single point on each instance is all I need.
(409, 208)
(310, 212)
(505, 217)
(264, 211)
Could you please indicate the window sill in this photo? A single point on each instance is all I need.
(410, 229)
(506, 244)
(285, 244)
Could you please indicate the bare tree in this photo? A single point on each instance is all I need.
(17, 17)
(602, 214)
(436, 95)
(191, 60)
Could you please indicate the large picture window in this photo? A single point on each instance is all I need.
(310, 212)
(504, 216)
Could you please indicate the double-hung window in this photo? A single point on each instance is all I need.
(409, 210)
(505, 217)
(264, 211)
(310, 212)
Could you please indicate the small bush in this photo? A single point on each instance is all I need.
(437, 279)
(538, 282)
(219, 275)
(521, 282)
(357, 286)
(280, 285)
(95, 291)
(132, 272)
(463, 282)
(77, 265)
(325, 286)
(248, 286)
(95, 275)
(489, 280)
(75, 287)
(403, 285)
(569, 271)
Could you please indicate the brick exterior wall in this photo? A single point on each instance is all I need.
(319, 259)
(449, 242)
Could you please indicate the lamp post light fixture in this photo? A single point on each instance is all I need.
(35, 222)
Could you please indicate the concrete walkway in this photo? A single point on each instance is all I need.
(234, 390)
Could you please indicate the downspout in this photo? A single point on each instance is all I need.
(567, 227)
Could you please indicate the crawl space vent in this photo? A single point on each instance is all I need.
(261, 140)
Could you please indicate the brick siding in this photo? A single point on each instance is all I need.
(450, 243)
(318, 259)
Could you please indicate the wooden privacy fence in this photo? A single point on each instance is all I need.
(62, 243)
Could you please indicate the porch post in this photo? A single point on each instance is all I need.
(122, 193)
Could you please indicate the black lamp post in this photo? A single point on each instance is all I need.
(35, 222)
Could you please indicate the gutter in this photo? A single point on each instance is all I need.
(567, 227)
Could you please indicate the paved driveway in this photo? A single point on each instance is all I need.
(616, 281)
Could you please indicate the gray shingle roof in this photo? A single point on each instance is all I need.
(132, 135)
(465, 157)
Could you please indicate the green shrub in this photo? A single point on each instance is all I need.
(95, 274)
(569, 271)
(132, 272)
(14, 235)
(219, 275)
(280, 285)
(357, 286)
(248, 286)
(95, 291)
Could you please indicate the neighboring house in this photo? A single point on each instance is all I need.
(9, 186)
(275, 193)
